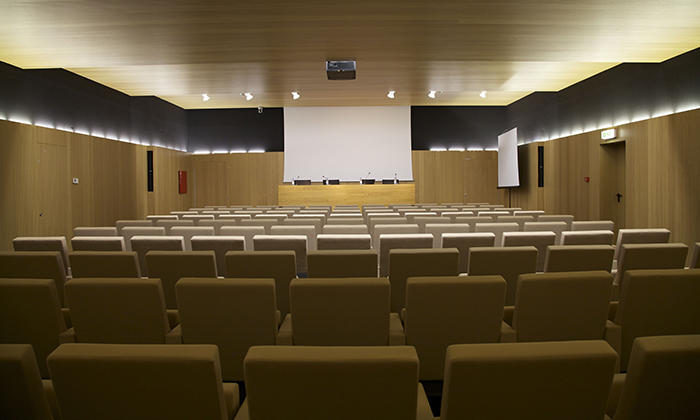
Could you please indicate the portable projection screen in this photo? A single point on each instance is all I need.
(347, 143)
(508, 159)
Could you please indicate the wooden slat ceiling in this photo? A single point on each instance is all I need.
(179, 49)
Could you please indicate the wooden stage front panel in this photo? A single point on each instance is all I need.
(304, 195)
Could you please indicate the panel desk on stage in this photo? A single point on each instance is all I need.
(317, 194)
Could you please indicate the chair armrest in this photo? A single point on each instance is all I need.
(51, 397)
(613, 336)
(173, 317)
(402, 314)
(615, 295)
(243, 411)
(397, 336)
(615, 393)
(67, 336)
(233, 399)
(66, 317)
(508, 312)
(508, 334)
(424, 411)
(284, 335)
(174, 336)
(612, 311)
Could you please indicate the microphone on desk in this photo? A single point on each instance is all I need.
(396, 178)
(325, 180)
(294, 180)
(365, 177)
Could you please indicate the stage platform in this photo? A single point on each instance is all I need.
(318, 194)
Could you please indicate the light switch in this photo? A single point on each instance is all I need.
(75, 181)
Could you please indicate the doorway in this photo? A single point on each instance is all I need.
(613, 192)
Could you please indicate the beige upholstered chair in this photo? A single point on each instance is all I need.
(556, 227)
(657, 302)
(388, 241)
(105, 264)
(220, 245)
(296, 243)
(413, 215)
(340, 312)
(587, 237)
(169, 224)
(422, 221)
(278, 265)
(344, 221)
(540, 240)
(360, 229)
(661, 381)
(234, 314)
(648, 256)
(121, 224)
(45, 243)
(535, 213)
(578, 225)
(97, 243)
(232, 218)
(454, 215)
(95, 231)
(473, 220)
(549, 218)
(35, 265)
(509, 262)
(317, 222)
(197, 218)
(695, 257)
(187, 232)
(109, 310)
(578, 258)
(308, 231)
(343, 241)
(520, 220)
(179, 214)
(405, 263)
(265, 223)
(340, 383)
(31, 313)
(441, 311)
(218, 224)
(399, 228)
(143, 244)
(248, 232)
(141, 382)
(640, 236)
(343, 263)
(22, 394)
(129, 232)
(545, 381)
(373, 221)
(497, 229)
(171, 266)
(437, 229)
(156, 217)
(464, 241)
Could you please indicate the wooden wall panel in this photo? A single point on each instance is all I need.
(527, 195)
(254, 177)
(211, 180)
(81, 167)
(166, 164)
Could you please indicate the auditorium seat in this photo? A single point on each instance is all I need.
(123, 310)
(218, 224)
(22, 394)
(265, 223)
(143, 244)
(399, 228)
(44, 243)
(556, 227)
(441, 311)
(497, 229)
(296, 243)
(340, 312)
(234, 218)
(129, 232)
(566, 218)
(196, 218)
(578, 258)
(640, 236)
(389, 241)
(345, 229)
(278, 265)
(357, 220)
(412, 215)
(508, 262)
(95, 231)
(648, 256)
(464, 241)
(657, 302)
(578, 225)
(30, 313)
(422, 221)
(121, 224)
(346, 241)
(662, 380)
(437, 229)
(473, 220)
(278, 218)
(587, 237)
(216, 213)
(187, 232)
(455, 214)
(430, 262)
(35, 265)
(155, 218)
(520, 220)
(494, 214)
(101, 381)
(105, 264)
(535, 213)
(220, 245)
(544, 381)
(97, 243)
(343, 263)
(171, 266)
(540, 240)
(179, 214)
(234, 314)
(248, 232)
(169, 224)
(308, 231)
(695, 257)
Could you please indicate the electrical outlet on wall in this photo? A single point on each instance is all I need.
(75, 181)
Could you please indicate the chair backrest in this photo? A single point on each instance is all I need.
(441, 311)
(248, 232)
(218, 224)
(144, 381)
(343, 263)
(422, 221)
(662, 379)
(520, 220)
(640, 236)
(171, 266)
(399, 228)
(234, 314)
(31, 313)
(566, 218)
(44, 243)
(497, 229)
(125, 310)
(388, 241)
(220, 245)
(578, 258)
(405, 263)
(545, 381)
(587, 237)
(296, 243)
(562, 306)
(156, 217)
(105, 264)
(95, 231)
(308, 231)
(278, 265)
(317, 222)
(556, 227)
(535, 213)
(473, 220)
(129, 232)
(22, 393)
(169, 224)
(509, 262)
(540, 240)
(650, 256)
(464, 241)
(198, 217)
(343, 241)
(577, 225)
(695, 257)
(657, 302)
(143, 244)
(187, 232)
(455, 214)
(320, 383)
(345, 221)
(346, 229)
(121, 224)
(35, 265)
(374, 219)
(265, 223)
(97, 243)
(437, 229)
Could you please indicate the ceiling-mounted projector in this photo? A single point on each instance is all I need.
(340, 70)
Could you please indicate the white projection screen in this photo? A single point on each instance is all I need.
(347, 143)
(508, 159)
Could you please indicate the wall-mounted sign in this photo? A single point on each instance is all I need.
(608, 134)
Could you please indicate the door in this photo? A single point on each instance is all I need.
(613, 194)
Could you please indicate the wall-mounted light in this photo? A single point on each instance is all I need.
(432, 93)
(248, 96)
(205, 97)
(483, 94)
(456, 149)
(438, 149)
(391, 94)
(295, 95)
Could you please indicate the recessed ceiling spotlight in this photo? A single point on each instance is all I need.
(483, 94)
(295, 95)
(391, 94)
(247, 95)
(205, 97)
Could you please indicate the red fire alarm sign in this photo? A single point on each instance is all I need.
(586, 179)
(182, 181)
